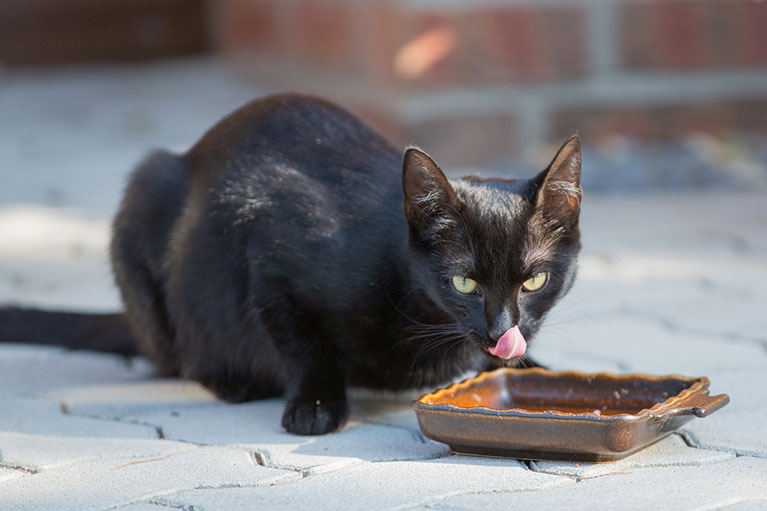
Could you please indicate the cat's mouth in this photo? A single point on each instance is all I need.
(511, 344)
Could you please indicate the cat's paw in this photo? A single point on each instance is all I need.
(314, 417)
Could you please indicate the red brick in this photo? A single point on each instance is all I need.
(63, 31)
(515, 43)
(503, 43)
(600, 123)
(663, 122)
(750, 33)
(491, 43)
(384, 122)
(247, 25)
(323, 32)
(664, 34)
(710, 118)
(395, 28)
(683, 27)
(751, 116)
(693, 34)
(566, 37)
(383, 19)
(464, 141)
(445, 66)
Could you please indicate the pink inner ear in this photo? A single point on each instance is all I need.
(511, 344)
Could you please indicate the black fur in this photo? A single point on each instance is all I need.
(274, 258)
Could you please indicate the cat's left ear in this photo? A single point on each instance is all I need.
(427, 192)
(559, 186)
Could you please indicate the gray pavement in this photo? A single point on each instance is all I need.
(669, 283)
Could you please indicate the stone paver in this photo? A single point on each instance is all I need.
(671, 451)
(37, 416)
(186, 412)
(669, 283)
(59, 368)
(46, 452)
(637, 345)
(10, 472)
(118, 481)
(712, 486)
(739, 428)
(383, 485)
(143, 506)
(748, 505)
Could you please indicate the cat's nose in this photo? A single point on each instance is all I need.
(496, 333)
(500, 324)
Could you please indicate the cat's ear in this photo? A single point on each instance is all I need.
(559, 186)
(427, 191)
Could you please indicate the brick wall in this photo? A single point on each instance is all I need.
(54, 32)
(663, 92)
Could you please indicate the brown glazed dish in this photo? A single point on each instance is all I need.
(540, 414)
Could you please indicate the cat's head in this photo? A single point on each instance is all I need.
(494, 254)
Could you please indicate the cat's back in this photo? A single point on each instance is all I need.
(304, 180)
(295, 154)
(304, 132)
(292, 140)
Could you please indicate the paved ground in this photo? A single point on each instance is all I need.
(669, 284)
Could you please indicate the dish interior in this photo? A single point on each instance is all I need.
(573, 393)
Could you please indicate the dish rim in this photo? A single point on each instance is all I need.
(697, 385)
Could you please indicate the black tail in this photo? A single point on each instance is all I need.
(108, 333)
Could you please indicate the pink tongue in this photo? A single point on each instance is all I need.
(511, 344)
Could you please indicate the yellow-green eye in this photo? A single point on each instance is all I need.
(464, 285)
(535, 282)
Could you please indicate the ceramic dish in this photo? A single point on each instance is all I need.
(540, 414)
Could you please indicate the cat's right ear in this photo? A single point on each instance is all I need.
(559, 186)
(427, 192)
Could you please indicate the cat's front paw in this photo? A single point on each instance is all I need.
(314, 417)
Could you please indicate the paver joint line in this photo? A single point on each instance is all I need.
(172, 506)
(575, 478)
(440, 498)
(157, 429)
(674, 327)
(580, 479)
(261, 458)
(686, 439)
(159, 499)
(19, 468)
(689, 438)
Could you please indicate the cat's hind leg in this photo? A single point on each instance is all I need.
(151, 204)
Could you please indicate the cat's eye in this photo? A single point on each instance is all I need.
(464, 285)
(535, 282)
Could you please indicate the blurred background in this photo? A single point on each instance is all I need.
(669, 97)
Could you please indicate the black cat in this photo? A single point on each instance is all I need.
(274, 258)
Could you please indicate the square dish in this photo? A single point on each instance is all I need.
(567, 415)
